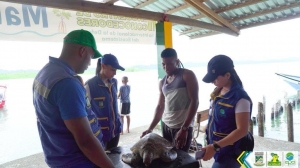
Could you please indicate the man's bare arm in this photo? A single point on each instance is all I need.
(159, 110)
(87, 142)
(193, 91)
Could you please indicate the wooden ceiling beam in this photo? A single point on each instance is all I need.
(270, 21)
(231, 7)
(204, 35)
(110, 1)
(93, 7)
(263, 12)
(141, 5)
(203, 9)
(198, 16)
(190, 31)
(181, 7)
(238, 5)
(297, 4)
(248, 26)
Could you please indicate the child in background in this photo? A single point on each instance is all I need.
(124, 93)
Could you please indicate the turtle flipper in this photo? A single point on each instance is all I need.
(131, 158)
(168, 156)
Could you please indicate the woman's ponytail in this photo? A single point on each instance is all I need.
(98, 69)
(235, 78)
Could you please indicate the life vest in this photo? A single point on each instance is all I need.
(222, 119)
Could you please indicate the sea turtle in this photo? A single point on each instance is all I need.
(148, 148)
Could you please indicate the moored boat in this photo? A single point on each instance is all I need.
(2, 95)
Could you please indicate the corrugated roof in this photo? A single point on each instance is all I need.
(241, 14)
(193, 18)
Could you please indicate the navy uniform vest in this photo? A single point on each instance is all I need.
(222, 119)
(105, 105)
(59, 146)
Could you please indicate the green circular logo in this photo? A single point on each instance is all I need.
(222, 111)
(289, 156)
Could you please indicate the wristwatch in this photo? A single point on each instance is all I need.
(184, 128)
(216, 147)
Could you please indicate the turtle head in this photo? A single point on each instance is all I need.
(147, 156)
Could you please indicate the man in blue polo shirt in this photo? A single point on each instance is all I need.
(68, 129)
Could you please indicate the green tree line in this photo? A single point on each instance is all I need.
(25, 74)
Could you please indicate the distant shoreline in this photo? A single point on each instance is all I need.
(31, 73)
(28, 74)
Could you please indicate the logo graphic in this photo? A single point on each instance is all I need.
(222, 113)
(259, 159)
(62, 27)
(274, 161)
(242, 159)
(101, 104)
(289, 159)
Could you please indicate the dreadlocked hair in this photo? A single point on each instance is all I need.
(180, 65)
(170, 52)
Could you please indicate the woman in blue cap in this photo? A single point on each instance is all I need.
(102, 92)
(227, 131)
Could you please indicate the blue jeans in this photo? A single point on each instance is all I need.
(227, 162)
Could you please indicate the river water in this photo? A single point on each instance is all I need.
(18, 132)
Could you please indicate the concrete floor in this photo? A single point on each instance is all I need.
(261, 144)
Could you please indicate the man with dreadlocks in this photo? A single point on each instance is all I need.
(178, 102)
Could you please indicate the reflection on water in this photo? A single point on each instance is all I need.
(3, 114)
(277, 128)
(18, 131)
(275, 123)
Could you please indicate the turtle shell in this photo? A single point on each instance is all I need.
(153, 141)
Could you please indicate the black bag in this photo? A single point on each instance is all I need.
(247, 143)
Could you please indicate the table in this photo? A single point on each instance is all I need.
(184, 160)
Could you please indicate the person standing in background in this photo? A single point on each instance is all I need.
(102, 92)
(124, 95)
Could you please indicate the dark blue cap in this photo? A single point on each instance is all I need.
(218, 65)
(109, 59)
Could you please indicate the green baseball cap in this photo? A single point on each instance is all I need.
(83, 37)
